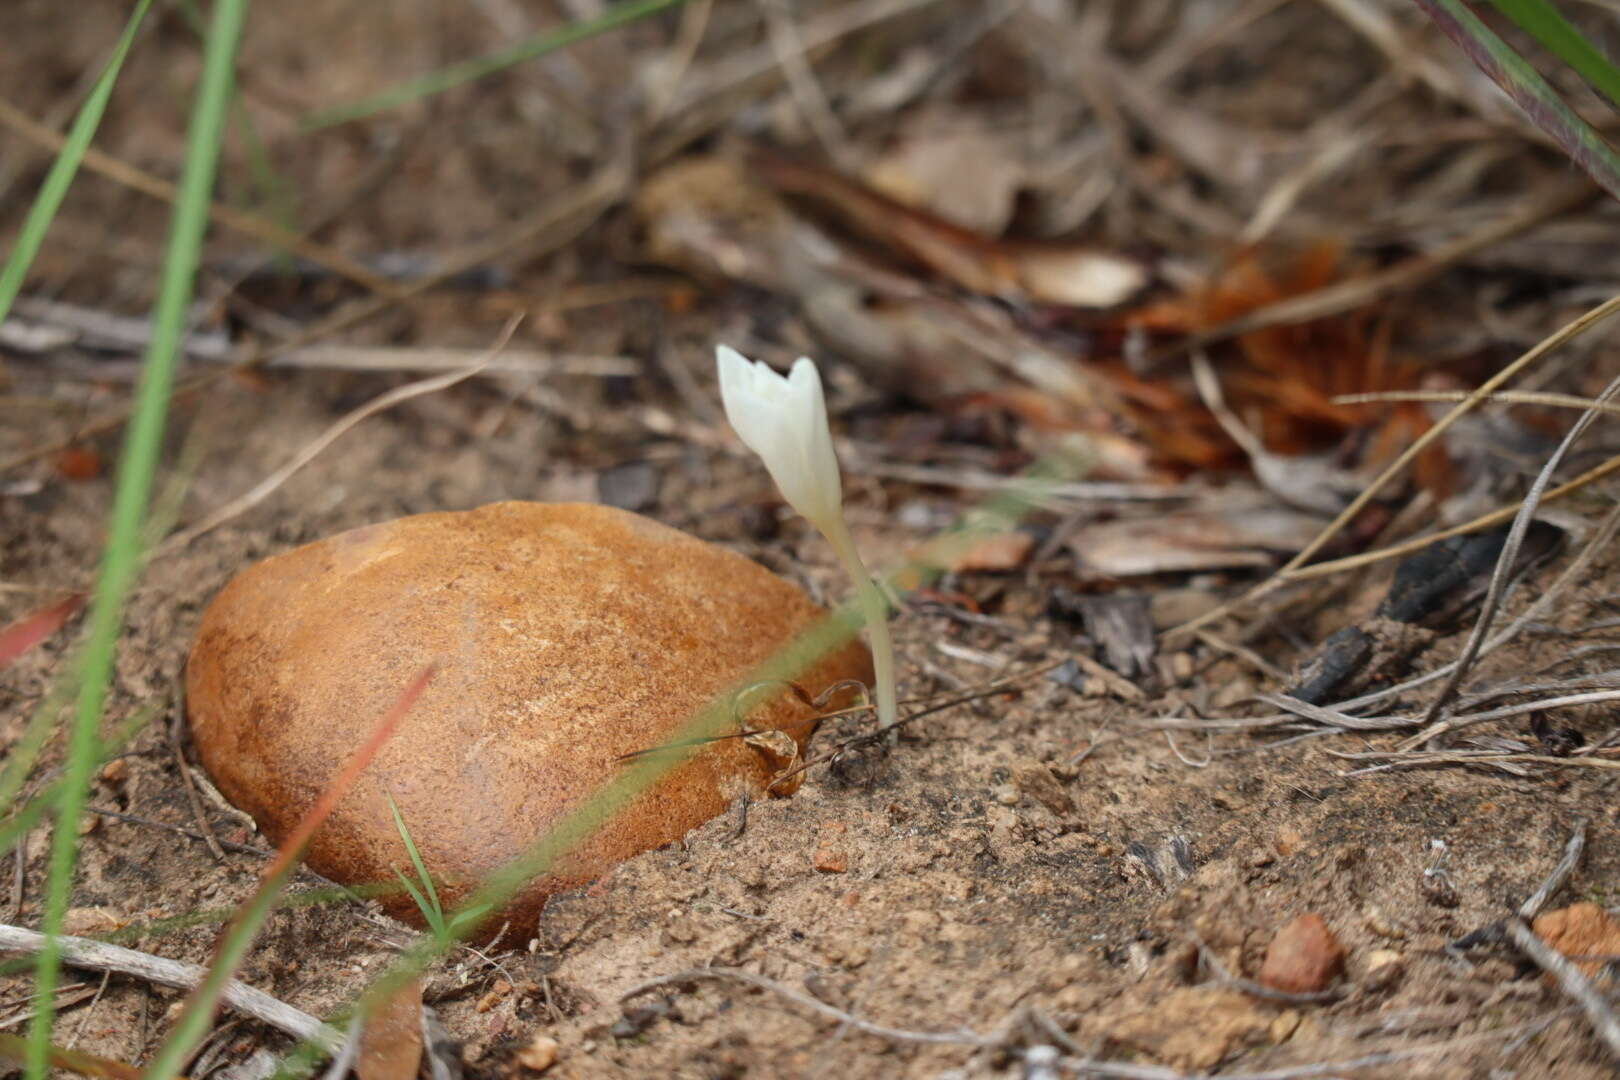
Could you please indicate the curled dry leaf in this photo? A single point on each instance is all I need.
(391, 1047)
(1221, 538)
(34, 628)
(958, 168)
(1052, 272)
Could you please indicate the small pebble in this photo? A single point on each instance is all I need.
(539, 1055)
(1384, 967)
(1303, 958)
(1379, 923)
(830, 860)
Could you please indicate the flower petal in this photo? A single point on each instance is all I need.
(784, 421)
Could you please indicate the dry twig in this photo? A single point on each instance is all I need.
(309, 452)
(1571, 980)
(1510, 554)
(97, 956)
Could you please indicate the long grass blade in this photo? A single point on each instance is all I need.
(137, 468)
(1528, 90)
(77, 1061)
(432, 909)
(1546, 24)
(60, 178)
(477, 68)
(21, 820)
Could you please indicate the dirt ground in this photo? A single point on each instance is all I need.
(1038, 868)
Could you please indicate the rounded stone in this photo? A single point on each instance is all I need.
(565, 637)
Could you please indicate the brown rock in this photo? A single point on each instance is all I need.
(830, 860)
(540, 1054)
(1579, 931)
(566, 636)
(1303, 958)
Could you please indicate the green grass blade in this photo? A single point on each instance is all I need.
(1546, 24)
(1528, 90)
(434, 919)
(22, 819)
(137, 468)
(437, 910)
(20, 760)
(477, 68)
(60, 178)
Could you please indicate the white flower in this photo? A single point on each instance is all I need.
(784, 421)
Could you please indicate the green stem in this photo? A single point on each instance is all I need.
(875, 613)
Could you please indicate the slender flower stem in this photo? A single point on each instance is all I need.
(875, 612)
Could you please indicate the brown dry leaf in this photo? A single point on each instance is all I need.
(1583, 932)
(391, 1045)
(713, 218)
(965, 173)
(1248, 535)
(1003, 551)
(1282, 379)
(1049, 272)
(709, 217)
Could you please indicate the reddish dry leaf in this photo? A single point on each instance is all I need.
(14, 1047)
(391, 1046)
(1281, 380)
(77, 463)
(30, 630)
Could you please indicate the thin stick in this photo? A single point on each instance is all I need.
(961, 1037)
(595, 195)
(1473, 757)
(1117, 1069)
(1571, 980)
(1569, 330)
(1484, 521)
(1560, 874)
(97, 956)
(122, 173)
(192, 798)
(807, 93)
(1510, 554)
(1501, 397)
(180, 830)
(263, 489)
